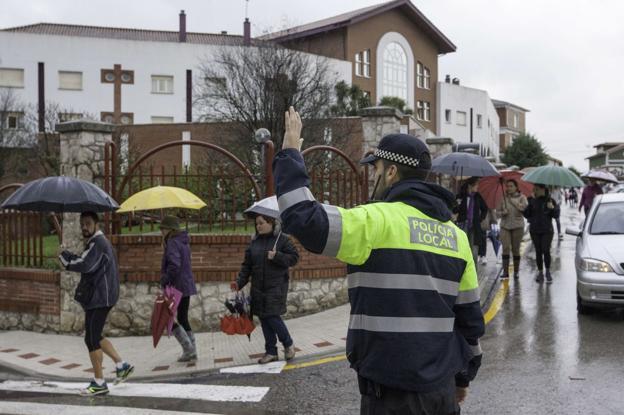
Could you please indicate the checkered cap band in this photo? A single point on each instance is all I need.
(397, 158)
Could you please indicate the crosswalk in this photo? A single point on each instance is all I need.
(32, 408)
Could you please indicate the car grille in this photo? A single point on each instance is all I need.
(617, 295)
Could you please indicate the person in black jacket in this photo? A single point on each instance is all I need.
(97, 293)
(540, 212)
(267, 260)
(471, 210)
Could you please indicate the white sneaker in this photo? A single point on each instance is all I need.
(483, 260)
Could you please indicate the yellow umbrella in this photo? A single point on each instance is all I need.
(161, 197)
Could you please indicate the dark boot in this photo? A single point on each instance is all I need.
(191, 337)
(548, 277)
(188, 353)
(505, 273)
(516, 261)
(540, 277)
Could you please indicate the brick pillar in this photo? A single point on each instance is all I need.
(82, 156)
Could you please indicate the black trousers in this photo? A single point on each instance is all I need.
(94, 325)
(541, 243)
(182, 316)
(380, 400)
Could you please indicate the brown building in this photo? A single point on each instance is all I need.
(512, 120)
(393, 47)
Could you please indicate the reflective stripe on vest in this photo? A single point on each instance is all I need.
(402, 281)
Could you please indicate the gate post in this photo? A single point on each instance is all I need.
(82, 144)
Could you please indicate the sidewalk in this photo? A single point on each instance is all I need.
(65, 357)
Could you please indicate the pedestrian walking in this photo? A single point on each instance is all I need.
(573, 197)
(557, 196)
(266, 263)
(540, 212)
(511, 211)
(472, 214)
(416, 320)
(97, 293)
(175, 270)
(589, 193)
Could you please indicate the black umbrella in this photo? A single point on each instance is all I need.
(463, 165)
(60, 194)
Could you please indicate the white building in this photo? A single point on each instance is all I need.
(74, 67)
(468, 116)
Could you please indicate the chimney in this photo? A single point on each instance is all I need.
(224, 32)
(246, 32)
(455, 81)
(447, 79)
(182, 26)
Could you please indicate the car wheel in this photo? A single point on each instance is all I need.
(582, 308)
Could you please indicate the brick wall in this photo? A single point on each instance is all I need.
(214, 258)
(31, 291)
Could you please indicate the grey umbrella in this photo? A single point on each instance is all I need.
(60, 194)
(266, 207)
(601, 175)
(463, 165)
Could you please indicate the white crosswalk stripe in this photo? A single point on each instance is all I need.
(216, 393)
(31, 408)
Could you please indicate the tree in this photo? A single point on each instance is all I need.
(525, 151)
(252, 88)
(350, 99)
(575, 171)
(396, 102)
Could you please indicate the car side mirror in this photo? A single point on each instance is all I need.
(573, 231)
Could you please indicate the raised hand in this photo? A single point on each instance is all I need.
(293, 125)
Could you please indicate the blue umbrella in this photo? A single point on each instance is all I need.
(463, 165)
(494, 234)
(60, 194)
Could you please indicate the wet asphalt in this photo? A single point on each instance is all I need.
(540, 357)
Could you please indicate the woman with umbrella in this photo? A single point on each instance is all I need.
(589, 193)
(540, 212)
(471, 210)
(176, 271)
(511, 210)
(266, 263)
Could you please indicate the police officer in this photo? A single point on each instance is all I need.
(415, 320)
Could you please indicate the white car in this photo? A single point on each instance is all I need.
(600, 254)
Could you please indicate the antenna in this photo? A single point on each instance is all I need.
(246, 9)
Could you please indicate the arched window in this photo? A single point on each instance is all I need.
(395, 72)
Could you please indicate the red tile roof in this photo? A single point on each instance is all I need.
(55, 29)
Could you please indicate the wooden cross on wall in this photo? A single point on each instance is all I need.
(117, 77)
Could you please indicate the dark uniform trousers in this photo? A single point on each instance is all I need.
(380, 400)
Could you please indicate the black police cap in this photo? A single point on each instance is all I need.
(401, 149)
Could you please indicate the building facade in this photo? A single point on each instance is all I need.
(393, 47)
(512, 122)
(468, 116)
(125, 76)
(610, 157)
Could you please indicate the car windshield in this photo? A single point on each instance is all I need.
(608, 220)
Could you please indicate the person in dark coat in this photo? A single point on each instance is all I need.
(540, 212)
(589, 194)
(267, 260)
(176, 271)
(471, 210)
(97, 293)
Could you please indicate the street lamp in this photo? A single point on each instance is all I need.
(263, 136)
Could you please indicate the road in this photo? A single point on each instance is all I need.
(540, 357)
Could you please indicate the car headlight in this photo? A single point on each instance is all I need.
(593, 265)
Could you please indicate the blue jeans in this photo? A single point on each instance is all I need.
(273, 327)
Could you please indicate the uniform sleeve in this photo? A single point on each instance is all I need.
(346, 234)
(84, 263)
(469, 320)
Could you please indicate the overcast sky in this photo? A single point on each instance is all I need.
(562, 59)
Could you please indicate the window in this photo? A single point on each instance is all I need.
(419, 75)
(426, 111)
(161, 120)
(461, 118)
(420, 110)
(479, 121)
(358, 64)
(427, 78)
(162, 84)
(366, 63)
(70, 80)
(447, 116)
(109, 117)
(14, 120)
(395, 72)
(69, 116)
(516, 120)
(12, 78)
